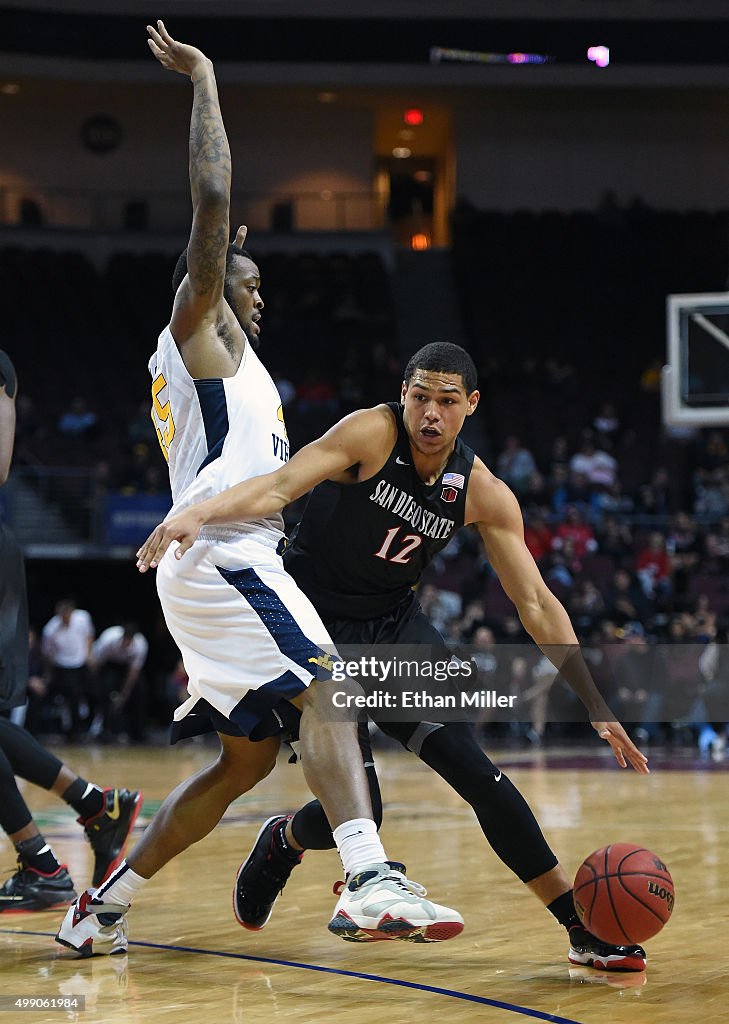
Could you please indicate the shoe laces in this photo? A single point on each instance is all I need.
(403, 882)
(393, 875)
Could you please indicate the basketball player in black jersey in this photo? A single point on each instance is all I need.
(391, 485)
(108, 815)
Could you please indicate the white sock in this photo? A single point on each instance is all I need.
(121, 886)
(358, 844)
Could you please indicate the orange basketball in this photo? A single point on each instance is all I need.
(623, 894)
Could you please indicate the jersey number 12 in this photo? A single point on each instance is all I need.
(410, 542)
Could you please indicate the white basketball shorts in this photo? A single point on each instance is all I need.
(249, 638)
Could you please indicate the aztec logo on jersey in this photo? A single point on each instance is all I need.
(402, 504)
(161, 413)
(281, 444)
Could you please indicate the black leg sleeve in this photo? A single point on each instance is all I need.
(14, 813)
(310, 825)
(28, 758)
(503, 814)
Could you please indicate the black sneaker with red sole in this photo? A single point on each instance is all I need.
(589, 951)
(109, 829)
(29, 889)
(262, 876)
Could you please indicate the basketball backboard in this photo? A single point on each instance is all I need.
(695, 381)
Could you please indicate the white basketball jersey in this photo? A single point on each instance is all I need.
(216, 432)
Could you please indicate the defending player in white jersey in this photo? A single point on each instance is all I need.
(241, 623)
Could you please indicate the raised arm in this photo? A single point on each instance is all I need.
(7, 414)
(495, 512)
(210, 176)
(350, 442)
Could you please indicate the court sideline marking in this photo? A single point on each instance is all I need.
(436, 990)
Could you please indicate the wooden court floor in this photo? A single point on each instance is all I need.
(189, 961)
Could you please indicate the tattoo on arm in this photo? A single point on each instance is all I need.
(209, 150)
(204, 257)
(210, 177)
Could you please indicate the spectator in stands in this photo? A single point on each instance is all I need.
(712, 452)
(485, 655)
(535, 698)
(638, 700)
(559, 458)
(510, 630)
(714, 668)
(575, 528)
(683, 544)
(711, 492)
(715, 558)
(31, 715)
(606, 423)
(646, 501)
(516, 466)
(597, 465)
(586, 607)
(626, 601)
(117, 659)
(474, 616)
(612, 501)
(78, 420)
(579, 493)
(663, 492)
(558, 572)
(615, 539)
(678, 668)
(432, 603)
(66, 643)
(653, 566)
(702, 621)
(559, 482)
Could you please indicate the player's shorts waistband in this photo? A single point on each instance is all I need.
(215, 534)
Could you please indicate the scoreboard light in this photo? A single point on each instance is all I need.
(413, 116)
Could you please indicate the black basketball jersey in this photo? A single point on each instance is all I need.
(361, 547)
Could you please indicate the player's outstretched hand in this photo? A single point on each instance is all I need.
(624, 749)
(173, 55)
(184, 527)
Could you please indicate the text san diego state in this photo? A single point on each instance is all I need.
(402, 504)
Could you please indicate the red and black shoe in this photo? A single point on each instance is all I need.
(589, 951)
(29, 889)
(263, 874)
(109, 829)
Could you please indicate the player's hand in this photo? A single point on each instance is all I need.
(184, 527)
(240, 236)
(173, 55)
(624, 749)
